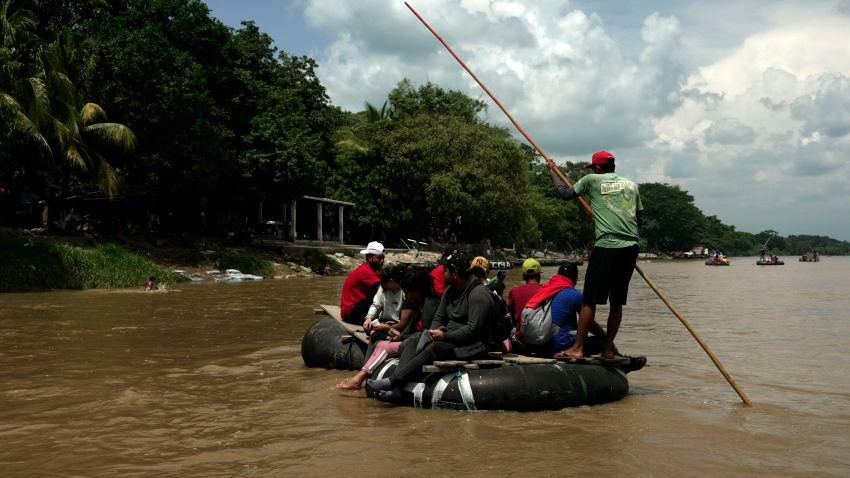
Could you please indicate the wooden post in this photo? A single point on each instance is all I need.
(292, 230)
(282, 221)
(341, 237)
(319, 235)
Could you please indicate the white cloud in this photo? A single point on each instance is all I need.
(729, 131)
(753, 112)
(827, 110)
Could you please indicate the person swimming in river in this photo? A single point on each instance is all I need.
(151, 284)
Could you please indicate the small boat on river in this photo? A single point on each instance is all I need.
(715, 261)
(506, 382)
(770, 262)
(811, 256)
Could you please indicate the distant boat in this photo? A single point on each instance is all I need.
(811, 256)
(720, 261)
(770, 262)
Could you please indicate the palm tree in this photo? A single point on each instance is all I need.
(22, 93)
(373, 114)
(78, 134)
(46, 110)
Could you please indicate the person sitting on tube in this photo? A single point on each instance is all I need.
(361, 285)
(420, 305)
(458, 330)
(566, 304)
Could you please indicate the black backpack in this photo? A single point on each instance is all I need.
(501, 322)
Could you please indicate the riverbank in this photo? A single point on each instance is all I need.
(36, 260)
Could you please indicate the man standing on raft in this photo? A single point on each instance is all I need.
(617, 210)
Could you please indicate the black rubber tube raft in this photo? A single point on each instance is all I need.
(334, 344)
(519, 387)
(330, 344)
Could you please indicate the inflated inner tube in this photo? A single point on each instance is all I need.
(327, 344)
(519, 387)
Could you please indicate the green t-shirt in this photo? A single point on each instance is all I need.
(615, 201)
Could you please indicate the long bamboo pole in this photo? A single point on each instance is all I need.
(566, 181)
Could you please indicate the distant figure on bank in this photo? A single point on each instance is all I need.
(617, 209)
(361, 285)
(518, 296)
(151, 284)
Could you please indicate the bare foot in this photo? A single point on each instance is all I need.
(348, 385)
(570, 353)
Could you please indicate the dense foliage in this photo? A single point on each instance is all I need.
(206, 122)
(44, 265)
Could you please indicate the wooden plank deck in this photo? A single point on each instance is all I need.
(355, 331)
(498, 359)
(509, 360)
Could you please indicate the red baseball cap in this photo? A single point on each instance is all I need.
(601, 158)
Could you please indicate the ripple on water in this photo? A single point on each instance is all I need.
(210, 382)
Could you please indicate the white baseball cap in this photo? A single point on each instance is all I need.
(374, 247)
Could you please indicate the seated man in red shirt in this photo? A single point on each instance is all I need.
(437, 273)
(361, 285)
(518, 296)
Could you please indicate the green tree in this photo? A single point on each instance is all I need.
(671, 221)
(406, 100)
(717, 235)
(290, 140)
(166, 68)
(79, 134)
(435, 162)
(22, 93)
(374, 114)
(563, 223)
(47, 109)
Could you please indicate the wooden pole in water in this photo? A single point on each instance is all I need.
(566, 181)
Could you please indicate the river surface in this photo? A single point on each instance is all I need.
(207, 381)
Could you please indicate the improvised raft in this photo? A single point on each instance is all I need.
(506, 382)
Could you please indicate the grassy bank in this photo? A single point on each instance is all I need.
(245, 264)
(32, 265)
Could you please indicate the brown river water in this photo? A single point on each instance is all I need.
(207, 381)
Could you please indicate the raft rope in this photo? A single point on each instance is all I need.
(465, 388)
(418, 390)
(437, 394)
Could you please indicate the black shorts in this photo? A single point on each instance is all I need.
(608, 274)
(358, 312)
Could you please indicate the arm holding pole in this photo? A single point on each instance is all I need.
(556, 171)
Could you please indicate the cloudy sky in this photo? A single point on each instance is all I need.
(745, 104)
